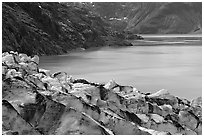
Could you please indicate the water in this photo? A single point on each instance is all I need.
(170, 62)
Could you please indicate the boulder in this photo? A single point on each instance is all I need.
(197, 102)
(45, 72)
(159, 94)
(24, 58)
(111, 84)
(187, 119)
(35, 59)
(8, 59)
(13, 123)
(157, 118)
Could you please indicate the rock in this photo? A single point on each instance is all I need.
(164, 127)
(198, 130)
(197, 102)
(157, 118)
(160, 94)
(53, 83)
(187, 119)
(47, 103)
(166, 109)
(143, 117)
(4, 70)
(13, 121)
(8, 59)
(24, 58)
(45, 72)
(35, 59)
(154, 132)
(163, 97)
(63, 79)
(111, 84)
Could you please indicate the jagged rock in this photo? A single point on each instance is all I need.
(188, 119)
(4, 70)
(154, 132)
(196, 102)
(161, 93)
(8, 59)
(45, 72)
(63, 79)
(111, 84)
(88, 92)
(166, 109)
(24, 58)
(143, 117)
(57, 104)
(198, 130)
(53, 83)
(163, 97)
(14, 123)
(35, 59)
(165, 127)
(157, 118)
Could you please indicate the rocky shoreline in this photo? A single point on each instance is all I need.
(36, 102)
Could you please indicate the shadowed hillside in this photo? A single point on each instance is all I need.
(54, 28)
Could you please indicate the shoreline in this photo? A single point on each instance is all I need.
(45, 103)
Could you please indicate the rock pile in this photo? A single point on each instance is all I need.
(38, 102)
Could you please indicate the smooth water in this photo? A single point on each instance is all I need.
(158, 62)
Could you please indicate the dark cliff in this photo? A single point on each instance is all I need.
(52, 28)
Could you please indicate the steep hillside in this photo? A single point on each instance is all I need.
(153, 18)
(53, 28)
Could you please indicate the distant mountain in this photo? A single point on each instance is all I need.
(153, 18)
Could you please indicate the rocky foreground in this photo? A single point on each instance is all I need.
(38, 102)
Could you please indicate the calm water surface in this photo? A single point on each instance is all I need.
(158, 62)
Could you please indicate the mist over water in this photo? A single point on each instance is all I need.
(172, 62)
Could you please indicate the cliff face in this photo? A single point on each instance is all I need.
(38, 102)
(49, 28)
(52, 28)
(153, 18)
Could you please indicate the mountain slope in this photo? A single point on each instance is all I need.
(49, 28)
(154, 18)
(53, 28)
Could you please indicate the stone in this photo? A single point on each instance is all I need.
(24, 58)
(4, 70)
(8, 59)
(164, 127)
(13, 121)
(111, 84)
(44, 71)
(161, 93)
(154, 132)
(35, 59)
(157, 118)
(143, 117)
(197, 102)
(187, 119)
(166, 109)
